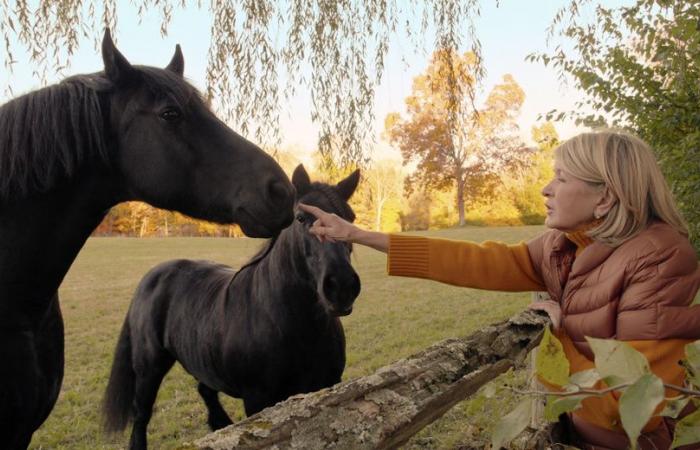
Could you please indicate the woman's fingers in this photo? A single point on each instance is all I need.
(315, 211)
(327, 227)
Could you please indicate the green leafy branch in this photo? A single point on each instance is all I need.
(621, 368)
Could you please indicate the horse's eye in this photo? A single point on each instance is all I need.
(170, 114)
(301, 218)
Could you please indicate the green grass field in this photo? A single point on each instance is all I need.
(393, 318)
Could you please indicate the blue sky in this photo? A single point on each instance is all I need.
(508, 33)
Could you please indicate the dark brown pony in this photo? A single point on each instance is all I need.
(71, 151)
(262, 334)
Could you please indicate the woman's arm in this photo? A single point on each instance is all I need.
(490, 265)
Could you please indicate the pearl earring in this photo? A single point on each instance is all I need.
(596, 215)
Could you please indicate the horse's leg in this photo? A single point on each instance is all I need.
(149, 375)
(31, 375)
(51, 360)
(217, 416)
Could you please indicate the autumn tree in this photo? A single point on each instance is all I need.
(453, 142)
(335, 50)
(527, 180)
(640, 68)
(138, 219)
(383, 184)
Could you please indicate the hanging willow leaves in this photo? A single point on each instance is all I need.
(335, 49)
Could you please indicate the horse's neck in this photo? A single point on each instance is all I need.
(41, 236)
(283, 272)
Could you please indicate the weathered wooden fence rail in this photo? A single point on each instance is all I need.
(385, 409)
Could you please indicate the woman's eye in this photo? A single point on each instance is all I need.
(300, 218)
(170, 114)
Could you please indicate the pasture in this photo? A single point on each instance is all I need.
(393, 318)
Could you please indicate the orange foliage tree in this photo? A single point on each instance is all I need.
(453, 142)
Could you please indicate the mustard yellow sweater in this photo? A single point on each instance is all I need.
(501, 267)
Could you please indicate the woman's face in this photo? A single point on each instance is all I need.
(570, 201)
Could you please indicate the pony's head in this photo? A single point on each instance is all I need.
(174, 153)
(337, 283)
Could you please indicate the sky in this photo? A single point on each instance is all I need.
(508, 33)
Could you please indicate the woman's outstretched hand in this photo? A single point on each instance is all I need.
(552, 309)
(330, 228)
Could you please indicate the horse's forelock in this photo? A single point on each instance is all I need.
(338, 205)
(164, 83)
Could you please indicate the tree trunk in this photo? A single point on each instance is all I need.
(385, 409)
(378, 217)
(460, 199)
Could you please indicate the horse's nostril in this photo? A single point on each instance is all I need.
(330, 285)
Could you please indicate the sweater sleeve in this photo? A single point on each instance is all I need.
(489, 265)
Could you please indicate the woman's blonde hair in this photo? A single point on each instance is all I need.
(626, 165)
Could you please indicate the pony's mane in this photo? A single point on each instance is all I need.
(47, 135)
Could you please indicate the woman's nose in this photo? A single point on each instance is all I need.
(547, 190)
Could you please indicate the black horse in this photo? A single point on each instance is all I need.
(262, 334)
(71, 151)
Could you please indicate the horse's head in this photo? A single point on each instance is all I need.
(337, 283)
(174, 153)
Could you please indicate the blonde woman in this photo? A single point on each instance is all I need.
(616, 263)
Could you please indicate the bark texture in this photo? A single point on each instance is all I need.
(385, 409)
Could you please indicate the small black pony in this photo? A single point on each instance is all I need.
(71, 151)
(262, 334)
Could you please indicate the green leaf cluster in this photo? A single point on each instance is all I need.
(620, 368)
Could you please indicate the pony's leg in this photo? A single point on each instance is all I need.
(148, 379)
(257, 401)
(31, 375)
(217, 416)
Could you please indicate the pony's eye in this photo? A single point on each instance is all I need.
(170, 114)
(300, 218)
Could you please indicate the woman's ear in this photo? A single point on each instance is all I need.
(606, 202)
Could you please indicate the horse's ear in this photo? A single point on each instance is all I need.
(117, 68)
(347, 186)
(301, 180)
(177, 64)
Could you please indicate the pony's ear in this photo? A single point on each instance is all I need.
(117, 68)
(347, 186)
(177, 64)
(301, 180)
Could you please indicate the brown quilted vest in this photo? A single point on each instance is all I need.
(640, 290)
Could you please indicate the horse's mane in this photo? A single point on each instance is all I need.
(47, 135)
